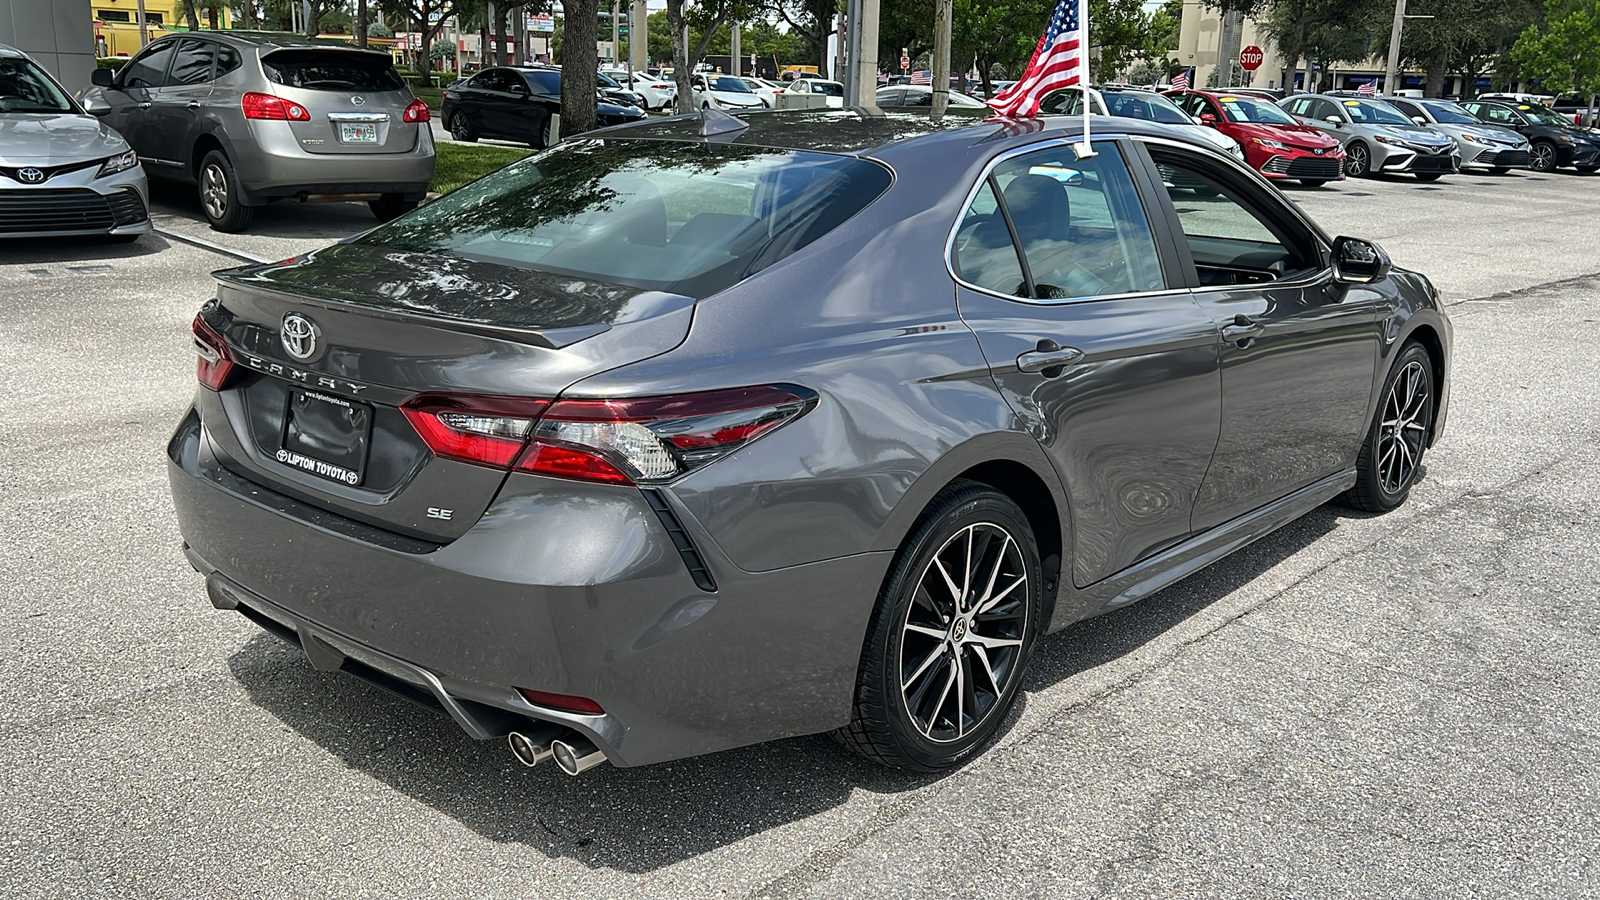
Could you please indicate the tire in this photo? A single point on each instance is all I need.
(1384, 480)
(461, 128)
(219, 195)
(920, 722)
(1313, 182)
(1357, 160)
(545, 138)
(1544, 157)
(390, 207)
(1499, 170)
(1429, 176)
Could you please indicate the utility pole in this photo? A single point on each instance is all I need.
(1391, 72)
(941, 56)
(616, 32)
(144, 33)
(639, 36)
(733, 49)
(861, 54)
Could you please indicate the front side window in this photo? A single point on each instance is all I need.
(149, 69)
(1233, 235)
(192, 65)
(660, 215)
(25, 88)
(1079, 223)
(545, 81)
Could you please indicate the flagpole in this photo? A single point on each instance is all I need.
(1086, 149)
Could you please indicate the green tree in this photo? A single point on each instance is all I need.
(1564, 55)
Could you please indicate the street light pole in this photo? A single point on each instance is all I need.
(1391, 72)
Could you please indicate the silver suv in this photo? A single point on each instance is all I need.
(253, 118)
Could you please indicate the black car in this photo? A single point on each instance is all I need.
(614, 91)
(517, 104)
(1556, 143)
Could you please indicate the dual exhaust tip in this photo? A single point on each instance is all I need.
(574, 754)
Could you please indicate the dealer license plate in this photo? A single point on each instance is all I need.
(358, 132)
(326, 436)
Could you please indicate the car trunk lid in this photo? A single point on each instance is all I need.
(328, 347)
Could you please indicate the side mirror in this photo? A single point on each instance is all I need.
(1419, 120)
(102, 78)
(1335, 121)
(1208, 119)
(96, 105)
(1356, 261)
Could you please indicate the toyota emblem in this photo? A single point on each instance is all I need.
(358, 101)
(1317, 151)
(30, 175)
(299, 336)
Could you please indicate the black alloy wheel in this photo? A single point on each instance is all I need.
(220, 199)
(1391, 455)
(1357, 160)
(1544, 157)
(951, 634)
(461, 128)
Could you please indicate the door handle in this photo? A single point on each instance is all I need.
(1242, 330)
(1049, 355)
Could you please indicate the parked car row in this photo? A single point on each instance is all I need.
(523, 103)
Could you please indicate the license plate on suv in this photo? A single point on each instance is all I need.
(358, 132)
(326, 436)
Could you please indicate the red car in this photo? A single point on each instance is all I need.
(1274, 143)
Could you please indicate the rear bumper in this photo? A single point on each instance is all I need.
(271, 166)
(560, 587)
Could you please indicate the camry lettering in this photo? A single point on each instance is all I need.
(302, 376)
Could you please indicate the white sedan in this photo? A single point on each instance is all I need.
(658, 93)
(833, 90)
(724, 92)
(766, 90)
(897, 95)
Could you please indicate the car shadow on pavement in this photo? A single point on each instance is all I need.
(285, 218)
(82, 252)
(641, 819)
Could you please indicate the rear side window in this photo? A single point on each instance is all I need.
(1080, 224)
(228, 60)
(688, 218)
(331, 70)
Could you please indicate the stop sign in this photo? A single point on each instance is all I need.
(1250, 58)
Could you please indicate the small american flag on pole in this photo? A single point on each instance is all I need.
(922, 76)
(1180, 81)
(1368, 88)
(1058, 62)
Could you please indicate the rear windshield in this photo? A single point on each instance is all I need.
(332, 70)
(682, 217)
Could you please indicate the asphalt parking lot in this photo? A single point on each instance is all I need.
(1355, 706)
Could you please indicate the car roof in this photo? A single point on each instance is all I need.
(856, 132)
(278, 41)
(9, 51)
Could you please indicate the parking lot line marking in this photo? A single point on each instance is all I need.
(213, 246)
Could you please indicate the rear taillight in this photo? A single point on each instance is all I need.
(269, 106)
(489, 431)
(636, 441)
(215, 363)
(416, 112)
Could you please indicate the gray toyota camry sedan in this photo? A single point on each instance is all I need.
(61, 171)
(702, 432)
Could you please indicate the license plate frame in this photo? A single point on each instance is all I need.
(326, 436)
(358, 132)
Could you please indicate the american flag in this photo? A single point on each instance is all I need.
(922, 76)
(1368, 88)
(1180, 81)
(1057, 63)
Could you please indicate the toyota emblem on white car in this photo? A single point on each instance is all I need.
(30, 175)
(299, 336)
